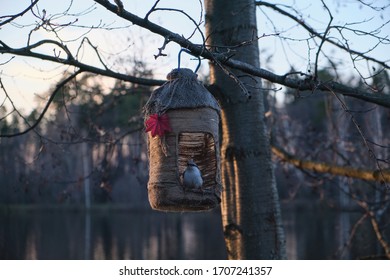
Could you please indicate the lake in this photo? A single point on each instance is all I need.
(120, 233)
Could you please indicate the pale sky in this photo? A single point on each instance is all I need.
(25, 77)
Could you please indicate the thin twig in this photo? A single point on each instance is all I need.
(73, 62)
(361, 133)
(162, 48)
(51, 98)
(322, 40)
(151, 10)
(352, 234)
(12, 17)
(317, 34)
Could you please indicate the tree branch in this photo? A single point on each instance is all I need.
(374, 222)
(26, 51)
(322, 167)
(322, 41)
(12, 17)
(311, 84)
(199, 50)
(317, 34)
(52, 96)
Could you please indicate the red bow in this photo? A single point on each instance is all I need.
(158, 125)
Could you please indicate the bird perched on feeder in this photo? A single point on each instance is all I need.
(192, 177)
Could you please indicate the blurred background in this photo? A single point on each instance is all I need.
(75, 186)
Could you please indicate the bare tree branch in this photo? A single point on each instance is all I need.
(323, 40)
(196, 49)
(151, 10)
(311, 84)
(26, 51)
(12, 17)
(371, 6)
(51, 98)
(162, 48)
(352, 234)
(375, 225)
(322, 167)
(319, 35)
(120, 5)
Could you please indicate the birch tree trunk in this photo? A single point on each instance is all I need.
(250, 203)
(338, 129)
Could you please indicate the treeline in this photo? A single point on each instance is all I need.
(88, 140)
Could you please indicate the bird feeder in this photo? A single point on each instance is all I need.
(182, 122)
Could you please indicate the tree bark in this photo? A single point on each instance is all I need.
(250, 203)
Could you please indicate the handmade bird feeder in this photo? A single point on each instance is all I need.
(182, 121)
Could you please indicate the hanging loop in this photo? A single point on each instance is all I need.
(190, 53)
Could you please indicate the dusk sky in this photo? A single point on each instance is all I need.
(26, 77)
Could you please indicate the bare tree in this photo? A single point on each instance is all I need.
(251, 210)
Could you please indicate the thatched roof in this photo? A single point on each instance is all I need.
(182, 90)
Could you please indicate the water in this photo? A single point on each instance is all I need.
(131, 234)
(110, 234)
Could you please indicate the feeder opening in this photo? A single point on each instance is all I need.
(200, 147)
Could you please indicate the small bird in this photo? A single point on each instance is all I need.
(192, 177)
